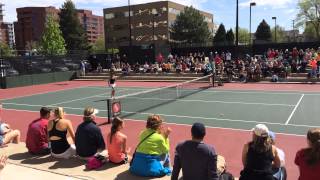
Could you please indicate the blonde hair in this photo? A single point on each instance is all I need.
(59, 112)
(154, 122)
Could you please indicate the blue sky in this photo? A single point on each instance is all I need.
(223, 10)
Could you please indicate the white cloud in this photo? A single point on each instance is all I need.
(271, 3)
(96, 5)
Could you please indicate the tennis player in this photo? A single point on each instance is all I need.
(112, 84)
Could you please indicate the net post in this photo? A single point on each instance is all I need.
(212, 79)
(109, 110)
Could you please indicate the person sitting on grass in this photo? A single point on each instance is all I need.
(89, 139)
(279, 173)
(196, 159)
(117, 143)
(308, 159)
(259, 156)
(151, 157)
(37, 134)
(58, 128)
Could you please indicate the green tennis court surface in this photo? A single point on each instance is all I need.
(283, 112)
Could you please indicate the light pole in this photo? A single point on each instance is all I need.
(275, 29)
(237, 24)
(251, 4)
(154, 14)
(130, 40)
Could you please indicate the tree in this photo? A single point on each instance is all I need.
(309, 13)
(263, 32)
(220, 37)
(281, 36)
(309, 32)
(190, 26)
(244, 36)
(5, 50)
(99, 45)
(52, 42)
(230, 37)
(72, 31)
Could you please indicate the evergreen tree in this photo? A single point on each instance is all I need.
(190, 26)
(72, 31)
(263, 32)
(230, 37)
(220, 37)
(52, 42)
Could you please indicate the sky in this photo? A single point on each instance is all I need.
(224, 11)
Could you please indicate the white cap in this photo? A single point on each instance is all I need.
(261, 130)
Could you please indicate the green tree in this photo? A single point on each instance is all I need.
(5, 50)
(99, 45)
(309, 13)
(309, 33)
(220, 37)
(52, 42)
(244, 36)
(230, 37)
(281, 36)
(263, 32)
(190, 26)
(72, 31)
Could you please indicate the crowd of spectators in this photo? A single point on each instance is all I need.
(261, 157)
(273, 63)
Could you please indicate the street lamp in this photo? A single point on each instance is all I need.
(275, 28)
(251, 4)
(154, 14)
(237, 24)
(130, 40)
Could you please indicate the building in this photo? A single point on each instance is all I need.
(6, 30)
(92, 24)
(150, 24)
(31, 23)
(8, 34)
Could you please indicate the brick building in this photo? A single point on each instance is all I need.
(146, 20)
(31, 23)
(92, 24)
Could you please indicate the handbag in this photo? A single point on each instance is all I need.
(138, 146)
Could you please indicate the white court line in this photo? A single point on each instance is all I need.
(88, 97)
(204, 101)
(217, 127)
(294, 110)
(45, 92)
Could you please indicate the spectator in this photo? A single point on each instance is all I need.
(259, 156)
(58, 128)
(279, 173)
(37, 137)
(117, 143)
(152, 154)
(3, 162)
(308, 159)
(202, 156)
(89, 140)
(8, 135)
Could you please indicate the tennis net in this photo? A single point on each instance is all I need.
(142, 101)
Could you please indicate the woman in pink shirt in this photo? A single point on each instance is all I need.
(308, 159)
(117, 143)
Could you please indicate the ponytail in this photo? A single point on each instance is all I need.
(313, 152)
(116, 123)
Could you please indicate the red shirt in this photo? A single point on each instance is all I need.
(306, 172)
(37, 138)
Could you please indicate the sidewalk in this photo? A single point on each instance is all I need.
(22, 165)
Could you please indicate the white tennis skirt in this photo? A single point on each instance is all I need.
(113, 85)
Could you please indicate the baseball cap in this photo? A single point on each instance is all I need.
(198, 130)
(261, 130)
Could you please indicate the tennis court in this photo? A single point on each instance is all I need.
(289, 112)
